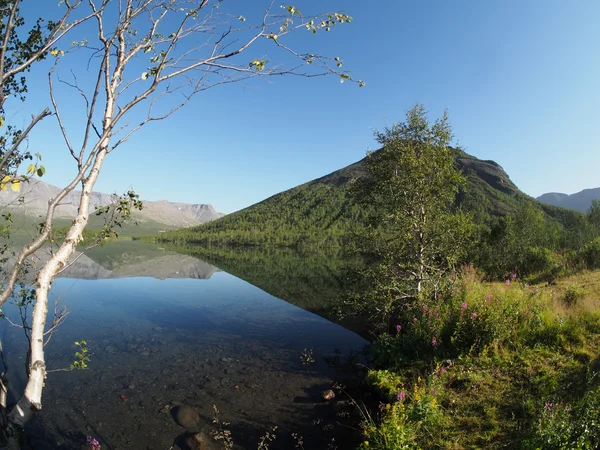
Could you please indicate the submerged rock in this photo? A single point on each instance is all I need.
(328, 395)
(185, 416)
(199, 441)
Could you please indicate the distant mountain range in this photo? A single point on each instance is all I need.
(161, 214)
(325, 210)
(580, 201)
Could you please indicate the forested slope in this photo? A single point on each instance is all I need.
(327, 210)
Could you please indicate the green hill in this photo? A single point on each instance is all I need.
(325, 211)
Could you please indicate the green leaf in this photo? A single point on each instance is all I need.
(145, 75)
(41, 171)
(30, 169)
(15, 186)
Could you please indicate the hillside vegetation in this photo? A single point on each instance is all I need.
(326, 211)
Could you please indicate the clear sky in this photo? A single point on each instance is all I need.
(520, 79)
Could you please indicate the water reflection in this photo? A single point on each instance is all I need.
(182, 333)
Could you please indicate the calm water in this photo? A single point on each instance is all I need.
(166, 329)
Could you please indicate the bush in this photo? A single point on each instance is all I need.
(591, 254)
(547, 264)
(572, 295)
(386, 383)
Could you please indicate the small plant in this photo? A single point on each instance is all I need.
(221, 433)
(267, 438)
(395, 431)
(572, 295)
(299, 441)
(307, 356)
(92, 444)
(81, 356)
(563, 425)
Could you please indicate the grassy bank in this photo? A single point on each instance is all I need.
(503, 365)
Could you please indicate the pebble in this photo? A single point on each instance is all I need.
(328, 395)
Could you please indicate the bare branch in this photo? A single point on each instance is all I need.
(59, 118)
(7, 32)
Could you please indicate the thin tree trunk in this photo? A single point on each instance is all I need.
(31, 401)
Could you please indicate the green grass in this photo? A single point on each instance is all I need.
(513, 366)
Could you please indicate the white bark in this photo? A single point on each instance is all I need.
(31, 401)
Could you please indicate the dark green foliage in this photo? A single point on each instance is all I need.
(594, 215)
(418, 234)
(326, 211)
(322, 213)
(23, 44)
(591, 254)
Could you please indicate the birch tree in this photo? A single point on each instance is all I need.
(419, 234)
(148, 59)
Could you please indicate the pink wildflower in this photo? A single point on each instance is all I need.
(401, 396)
(434, 341)
(415, 320)
(443, 370)
(92, 443)
(398, 328)
(507, 282)
(474, 315)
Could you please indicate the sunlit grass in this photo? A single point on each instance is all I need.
(511, 366)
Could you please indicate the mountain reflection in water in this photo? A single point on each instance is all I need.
(165, 329)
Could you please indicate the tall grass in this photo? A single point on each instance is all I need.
(490, 366)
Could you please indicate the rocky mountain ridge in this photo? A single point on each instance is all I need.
(170, 214)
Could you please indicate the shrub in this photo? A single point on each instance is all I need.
(387, 383)
(572, 295)
(542, 261)
(591, 254)
(394, 432)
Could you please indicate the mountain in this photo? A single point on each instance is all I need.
(325, 210)
(123, 260)
(155, 215)
(580, 201)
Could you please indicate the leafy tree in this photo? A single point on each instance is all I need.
(418, 236)
(594, 215)
(511, 243)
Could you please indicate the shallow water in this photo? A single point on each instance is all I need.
(158, 343)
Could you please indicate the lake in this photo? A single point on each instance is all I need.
(166, 329)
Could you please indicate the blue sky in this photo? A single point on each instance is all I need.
(520, 80)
